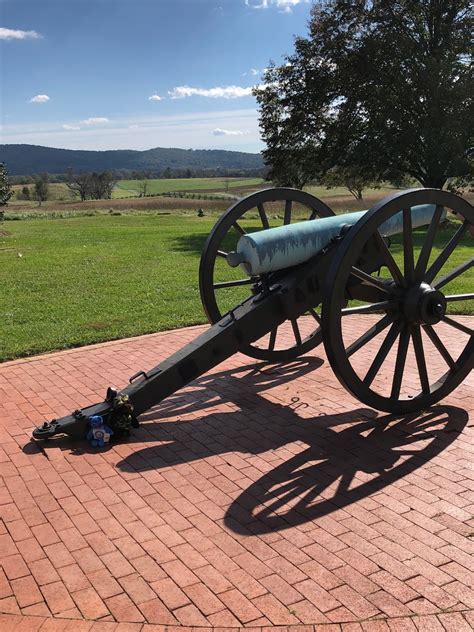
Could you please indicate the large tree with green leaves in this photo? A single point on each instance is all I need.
(383, 88)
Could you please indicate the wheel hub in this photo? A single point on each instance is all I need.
(424, 304)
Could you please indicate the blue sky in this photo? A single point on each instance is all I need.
(79, 74)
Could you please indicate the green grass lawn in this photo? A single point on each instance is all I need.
(132, 188)
(126, 188)
(76, 281)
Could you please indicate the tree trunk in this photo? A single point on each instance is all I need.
(433, 182)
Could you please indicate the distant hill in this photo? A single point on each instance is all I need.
(29, 159)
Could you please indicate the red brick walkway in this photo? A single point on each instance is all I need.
(259, 496)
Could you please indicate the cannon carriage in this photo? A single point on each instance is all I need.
(383, 268)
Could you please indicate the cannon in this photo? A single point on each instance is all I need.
(384, 270)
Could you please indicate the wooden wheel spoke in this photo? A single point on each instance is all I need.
(263, 216)
(456, 325)
(296, 330)
(235, 283)
(382, 353)
(288, 207)
(232, 225)
(369, 335)
(366, 309)
(455, 272)
(239, 228)
(444, 353)
(408, 261)
(315, 315)
(428, 244)
(273, 335)
(446, 253)
(420, 360)
(400, 362)
(459, 297)
(370, 280)
(389, 260)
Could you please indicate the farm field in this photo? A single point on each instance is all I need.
(87, 279)
(197, 194)
(130, 188)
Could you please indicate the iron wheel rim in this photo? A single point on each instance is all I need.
(216, 237)
(332, 314)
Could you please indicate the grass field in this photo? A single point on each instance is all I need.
(60, 205)
(131, 188)
(72, 282)
(60, 196)
(127, 188)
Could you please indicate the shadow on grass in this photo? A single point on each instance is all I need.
(193, 243)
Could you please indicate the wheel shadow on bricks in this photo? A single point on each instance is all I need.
(341, 468)
(348, 456)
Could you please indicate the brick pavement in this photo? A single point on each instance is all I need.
(258, 496)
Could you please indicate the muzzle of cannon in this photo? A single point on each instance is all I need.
(379, 288)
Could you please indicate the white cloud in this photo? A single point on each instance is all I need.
(71, 127)
(155, 97)
(95, 120)
(15, 34)
(226, 92)
(283, 5)
(40, 98)
(133, 126)
(185, 130)
(227, 132)
(255, 71)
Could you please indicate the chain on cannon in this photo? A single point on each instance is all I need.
(370, 286)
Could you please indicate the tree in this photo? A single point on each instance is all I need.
(102, 185)
(41, 188)
(383, 88)
(465, 183)
(79, 183)
(26, 193)
(94, 186)
(5, 190)
(143, 187)
(353, 179)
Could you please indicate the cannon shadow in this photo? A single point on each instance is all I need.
(348, 457)
(362, 460)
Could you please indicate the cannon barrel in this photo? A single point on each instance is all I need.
(286, 246)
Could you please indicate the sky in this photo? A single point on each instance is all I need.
(137, 74)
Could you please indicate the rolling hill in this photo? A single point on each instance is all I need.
(29, 159)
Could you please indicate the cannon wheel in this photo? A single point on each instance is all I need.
(214, 248)
(413, 306)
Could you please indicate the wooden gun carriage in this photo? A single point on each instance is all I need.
(311, 278)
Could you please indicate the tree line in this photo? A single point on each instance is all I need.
(150, 174)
